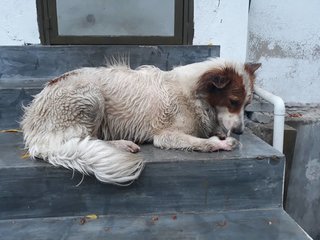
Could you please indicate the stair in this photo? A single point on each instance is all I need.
(255, 224)
(180, 195)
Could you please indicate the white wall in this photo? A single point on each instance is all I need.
(224, 23)
(285, 37)
(18, 22)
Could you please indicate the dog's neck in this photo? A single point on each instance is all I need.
(187, 76)
(191, 73)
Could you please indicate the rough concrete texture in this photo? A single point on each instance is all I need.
(261, 117)
(295, 115)
(263, 131)
(303, 114)
(303, 197)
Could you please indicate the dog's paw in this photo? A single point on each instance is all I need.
(227, 144)
(128, 146)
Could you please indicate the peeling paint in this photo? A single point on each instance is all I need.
(313, 170)
(260, 46)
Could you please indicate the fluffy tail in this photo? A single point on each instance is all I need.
(89, 156)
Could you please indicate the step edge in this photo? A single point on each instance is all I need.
(156, 213)
(294, 222)
(45, 164)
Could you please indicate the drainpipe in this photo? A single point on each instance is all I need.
(279, 113)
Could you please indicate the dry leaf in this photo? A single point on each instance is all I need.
(84, 220)
(11, 131)
(25, 155)
(92, 217)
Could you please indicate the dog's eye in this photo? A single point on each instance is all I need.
(234, 103)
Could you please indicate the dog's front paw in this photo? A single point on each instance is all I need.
(229, 143)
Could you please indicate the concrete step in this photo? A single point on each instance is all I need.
(173, 181)
(32, 66)
(269, 224)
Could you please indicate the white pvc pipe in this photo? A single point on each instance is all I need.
(279, 114)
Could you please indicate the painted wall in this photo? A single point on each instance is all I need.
(224, 23)
(285, 37)
(18, 22)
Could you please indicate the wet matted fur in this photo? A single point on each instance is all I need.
(91, 119)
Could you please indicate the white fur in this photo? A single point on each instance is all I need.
(65, 122)
(230, 120)
(97, 157)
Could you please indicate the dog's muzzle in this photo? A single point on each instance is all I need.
(237, 130)
(231, 122)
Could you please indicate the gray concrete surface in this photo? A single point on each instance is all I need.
(302, 150)
(303, 198)
(247, 178)
(269, 224)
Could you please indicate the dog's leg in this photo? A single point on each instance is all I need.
(128, 146)
(179, 140)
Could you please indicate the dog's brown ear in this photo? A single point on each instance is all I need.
(251, 67)
(210, 80)
(219, 81)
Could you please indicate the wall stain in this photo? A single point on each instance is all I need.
(313, 170)
(260, 46)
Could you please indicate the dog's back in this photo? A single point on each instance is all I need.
(139, 103)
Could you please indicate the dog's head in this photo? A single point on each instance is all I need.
(228, 87)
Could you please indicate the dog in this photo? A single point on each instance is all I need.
(91, 119)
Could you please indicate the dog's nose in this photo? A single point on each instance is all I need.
(237, 130)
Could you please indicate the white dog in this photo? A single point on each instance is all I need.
(86, 118)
